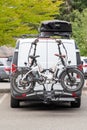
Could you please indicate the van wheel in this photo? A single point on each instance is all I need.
(77, 103)
(14, 103)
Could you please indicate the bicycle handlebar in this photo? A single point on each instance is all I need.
(34, 57)
(60, 53)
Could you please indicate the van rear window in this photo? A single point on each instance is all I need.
(78, 58)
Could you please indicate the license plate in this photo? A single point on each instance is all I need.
(66, 99)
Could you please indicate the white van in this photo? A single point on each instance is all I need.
(46, 49)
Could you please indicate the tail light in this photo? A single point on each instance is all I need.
(21, 96)
(14, 68)
(80, 67)
(85, 65)
(74, 94)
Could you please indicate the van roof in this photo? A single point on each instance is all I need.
(21, 40)
(46, 48)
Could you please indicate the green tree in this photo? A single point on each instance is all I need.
(80, 5)
(75, 11)
(80, 30)
(19, 17)
(68, 6)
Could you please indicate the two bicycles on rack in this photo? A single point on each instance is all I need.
(70, 77)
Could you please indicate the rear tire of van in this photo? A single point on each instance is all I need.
(14, 103)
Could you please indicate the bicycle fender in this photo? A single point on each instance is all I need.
(66, 69)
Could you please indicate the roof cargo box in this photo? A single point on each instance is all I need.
(57, 27)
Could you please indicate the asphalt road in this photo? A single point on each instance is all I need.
(42, 117)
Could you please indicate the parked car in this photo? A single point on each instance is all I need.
(46, 48)
(5, 68)
(84, 61)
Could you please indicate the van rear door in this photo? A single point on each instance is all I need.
(46, 48)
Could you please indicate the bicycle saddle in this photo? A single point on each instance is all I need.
(63, 56)
(34, 57)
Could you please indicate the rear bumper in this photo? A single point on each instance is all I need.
(47, 96)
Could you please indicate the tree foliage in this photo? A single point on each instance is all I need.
(75, 11)
(19, 17)
(80, 30)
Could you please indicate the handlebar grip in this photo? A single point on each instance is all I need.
(59, 42)
(35, 41)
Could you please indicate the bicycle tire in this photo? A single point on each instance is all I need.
(77, 80)
(15, 82)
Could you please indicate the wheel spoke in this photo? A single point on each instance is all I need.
(22, 85)
(73, 81)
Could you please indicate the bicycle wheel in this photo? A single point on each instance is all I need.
(22, 86)
(73, 81)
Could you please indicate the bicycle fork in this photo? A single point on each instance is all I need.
(69, 76)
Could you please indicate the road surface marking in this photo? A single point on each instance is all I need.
(3, 98)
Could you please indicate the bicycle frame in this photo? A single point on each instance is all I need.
(52, 75)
